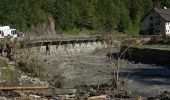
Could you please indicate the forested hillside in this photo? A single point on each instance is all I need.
(119, 15)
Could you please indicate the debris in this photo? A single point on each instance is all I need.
(35, 96)
(23, 88)
(25, 80)
(66, 94)
(101, 97)
(65, 91)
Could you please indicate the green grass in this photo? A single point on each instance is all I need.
(76, 31)
(145, 46)
(8, 77)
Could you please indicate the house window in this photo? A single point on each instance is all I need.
(151, 24)
(159, 22)
(151, 17)
(158, 31)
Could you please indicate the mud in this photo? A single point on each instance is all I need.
(92, 68)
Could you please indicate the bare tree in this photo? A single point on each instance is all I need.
(113, 45)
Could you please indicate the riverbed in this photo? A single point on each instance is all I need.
(93, 68)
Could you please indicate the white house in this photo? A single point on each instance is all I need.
(156, 22)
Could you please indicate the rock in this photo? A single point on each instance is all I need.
(22, 94)
(25, 80)
(68, 97)
(35, 97)
(101, 97)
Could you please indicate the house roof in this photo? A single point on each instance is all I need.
(164, 13)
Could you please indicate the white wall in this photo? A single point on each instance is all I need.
(167, 24)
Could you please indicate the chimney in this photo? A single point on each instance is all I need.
(165, 7)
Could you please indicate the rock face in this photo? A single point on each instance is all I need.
(147, 55)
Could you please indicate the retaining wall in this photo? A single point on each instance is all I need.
(147, 55)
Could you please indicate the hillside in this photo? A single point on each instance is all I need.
(120, 15)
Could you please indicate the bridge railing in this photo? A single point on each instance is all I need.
(82, 38)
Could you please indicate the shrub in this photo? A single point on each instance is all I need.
(32, 65)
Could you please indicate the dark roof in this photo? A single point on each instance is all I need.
(164, 13)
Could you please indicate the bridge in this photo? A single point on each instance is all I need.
(43, 41)
(60, 44)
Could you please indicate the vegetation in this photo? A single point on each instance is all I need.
(32, 65)
(7, 75)
(120, 15)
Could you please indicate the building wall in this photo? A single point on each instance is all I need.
(167, 24)
(153, 22)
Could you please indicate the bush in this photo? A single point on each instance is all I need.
(32, 65)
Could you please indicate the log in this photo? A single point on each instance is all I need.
(65, 91)
(101, 97)
(24, 88)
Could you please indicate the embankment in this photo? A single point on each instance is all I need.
(147, 55)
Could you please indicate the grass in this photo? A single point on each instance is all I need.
(8, 77)
(32, 65)
(76, 31)
(8, 74)
(154, 46)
